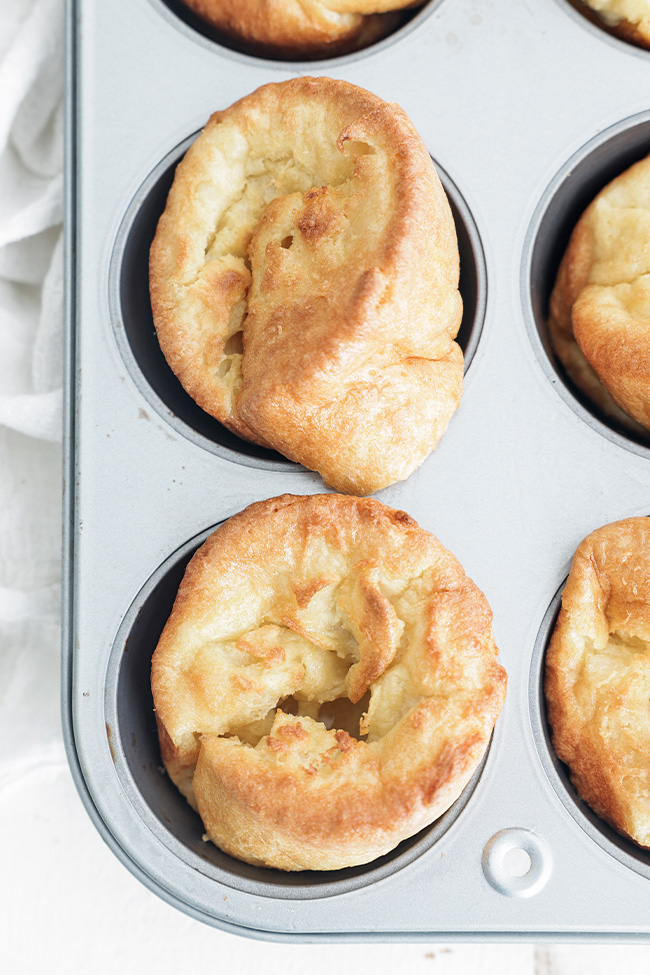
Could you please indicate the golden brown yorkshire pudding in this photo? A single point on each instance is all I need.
(627, 19)
(304, 281)
(600, 306)
(302, 605)
(301, 28)
(598, 675)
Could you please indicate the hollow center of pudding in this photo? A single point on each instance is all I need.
(341, 652)
(340, 714)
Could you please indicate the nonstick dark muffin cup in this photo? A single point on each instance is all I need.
(133, 738)
(195, 28)
(570, 192)
(131, 316)
(608, 839)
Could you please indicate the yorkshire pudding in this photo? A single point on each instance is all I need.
(598, 675)
(301, 28)
(627, 19)
(304, 281)
(301, 601)
(600, 306)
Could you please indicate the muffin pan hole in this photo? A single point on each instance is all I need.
(135, 334)
(620, 847)
(398, 25)
(135, 749)
(570, 192)
(517, 862)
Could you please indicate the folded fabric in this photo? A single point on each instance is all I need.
(31, 328)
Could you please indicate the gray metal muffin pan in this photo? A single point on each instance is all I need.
(512, 103)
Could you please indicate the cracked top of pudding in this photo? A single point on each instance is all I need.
(600, 306)
(304, 277)
(598, 675)
(296, 620)
(629, 19)
(301, 28)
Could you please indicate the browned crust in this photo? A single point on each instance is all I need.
(308, 822)
(298, 29)
(633, 33)
(597, 692)
(618, 349)
(604, 350)
(355, 315)
(348, 801)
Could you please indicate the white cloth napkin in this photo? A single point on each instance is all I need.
(66, 902)
(31, 318)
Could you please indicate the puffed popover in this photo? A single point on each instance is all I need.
(291, 609)
(304, 281)
(301, 28)
(598, 675)
(628, 19)
(600, 306)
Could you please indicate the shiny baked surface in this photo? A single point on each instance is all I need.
(302, 28)
(600, 306)
(303, 601)
(598, 675)
(304, 281)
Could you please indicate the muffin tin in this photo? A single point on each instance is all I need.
(511, 102)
